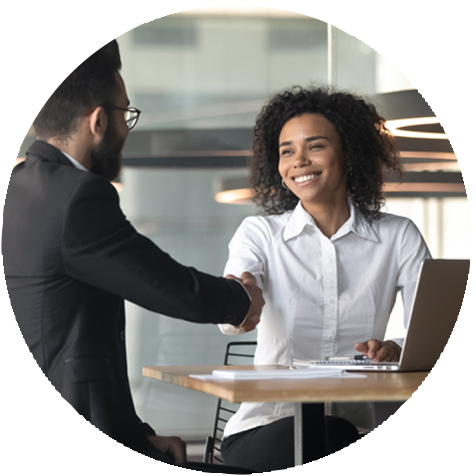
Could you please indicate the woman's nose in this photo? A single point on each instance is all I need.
(300, 159)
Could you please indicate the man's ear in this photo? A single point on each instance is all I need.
(97, 123)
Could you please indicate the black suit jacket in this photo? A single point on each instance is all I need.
(71, 259)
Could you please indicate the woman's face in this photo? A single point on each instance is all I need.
(311, 161)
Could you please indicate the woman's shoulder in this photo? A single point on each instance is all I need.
(269, 225)
(395, 224)
(390, 219)
(268, 221)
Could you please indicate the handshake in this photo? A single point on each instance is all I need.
(257, 302)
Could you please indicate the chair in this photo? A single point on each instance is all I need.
(237, 353)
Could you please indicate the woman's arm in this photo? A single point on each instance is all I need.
(247, 263)
(411, 253)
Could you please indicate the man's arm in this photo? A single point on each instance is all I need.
(102, 249)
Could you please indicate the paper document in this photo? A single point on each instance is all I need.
(278, 374)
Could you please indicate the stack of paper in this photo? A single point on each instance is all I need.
(291, 373)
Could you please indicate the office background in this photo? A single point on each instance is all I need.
(200, 79)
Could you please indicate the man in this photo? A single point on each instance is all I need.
(71, 258)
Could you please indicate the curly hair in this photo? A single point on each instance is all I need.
(368, 147)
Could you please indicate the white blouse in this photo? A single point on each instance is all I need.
(322, 295)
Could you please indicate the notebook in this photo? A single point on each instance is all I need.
(274, 374)
(436, 305)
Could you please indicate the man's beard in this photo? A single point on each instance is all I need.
(106, 156)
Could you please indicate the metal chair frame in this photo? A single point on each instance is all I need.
(225, 410)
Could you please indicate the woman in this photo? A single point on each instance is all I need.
(330, 263)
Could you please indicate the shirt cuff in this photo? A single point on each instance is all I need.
(244, 287)
(230, 330)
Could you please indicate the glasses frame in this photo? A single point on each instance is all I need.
(132, 121)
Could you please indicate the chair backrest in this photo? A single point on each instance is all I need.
(237, 353)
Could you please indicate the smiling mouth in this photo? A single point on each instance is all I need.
(306, 178)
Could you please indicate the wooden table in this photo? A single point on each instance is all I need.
(309, 395)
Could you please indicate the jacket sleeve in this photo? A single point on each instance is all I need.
(102, 249)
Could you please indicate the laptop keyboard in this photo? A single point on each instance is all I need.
(344, 362)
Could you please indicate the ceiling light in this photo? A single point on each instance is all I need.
(239, 196)
(424, 187)
(397, 128)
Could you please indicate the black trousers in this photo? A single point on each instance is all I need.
(271, 447)
(215, 468)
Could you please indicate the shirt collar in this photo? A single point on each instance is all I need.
(76, 163)
(356, 223)
(298, 220)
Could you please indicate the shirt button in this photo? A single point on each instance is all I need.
(123, 335)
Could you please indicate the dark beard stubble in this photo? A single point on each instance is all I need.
(106, 156)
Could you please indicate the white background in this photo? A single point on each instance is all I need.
(42, 42)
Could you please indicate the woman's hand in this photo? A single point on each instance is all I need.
(387, 351)
(172, 446)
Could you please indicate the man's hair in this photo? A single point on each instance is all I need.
(91, 84)
(368, 147)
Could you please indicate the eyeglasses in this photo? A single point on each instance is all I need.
(131, 115)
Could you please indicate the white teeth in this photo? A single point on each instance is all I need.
(305, 178)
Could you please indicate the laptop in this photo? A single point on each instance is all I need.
(435, 308)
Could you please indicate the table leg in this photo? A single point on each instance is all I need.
(309, 433)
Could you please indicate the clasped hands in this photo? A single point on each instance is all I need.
(172, 446)
(252, 319)
(386, 351)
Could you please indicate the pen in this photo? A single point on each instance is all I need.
(355, 357)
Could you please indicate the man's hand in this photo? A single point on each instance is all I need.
(387, 351)
(252, 319)
(172, 446)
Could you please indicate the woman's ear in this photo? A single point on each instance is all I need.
(98, 122)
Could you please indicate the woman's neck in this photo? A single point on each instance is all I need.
(328, 217)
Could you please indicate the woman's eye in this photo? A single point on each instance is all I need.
(316, 146)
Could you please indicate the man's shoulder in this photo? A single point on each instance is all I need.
(49, 163)
(56, 186)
